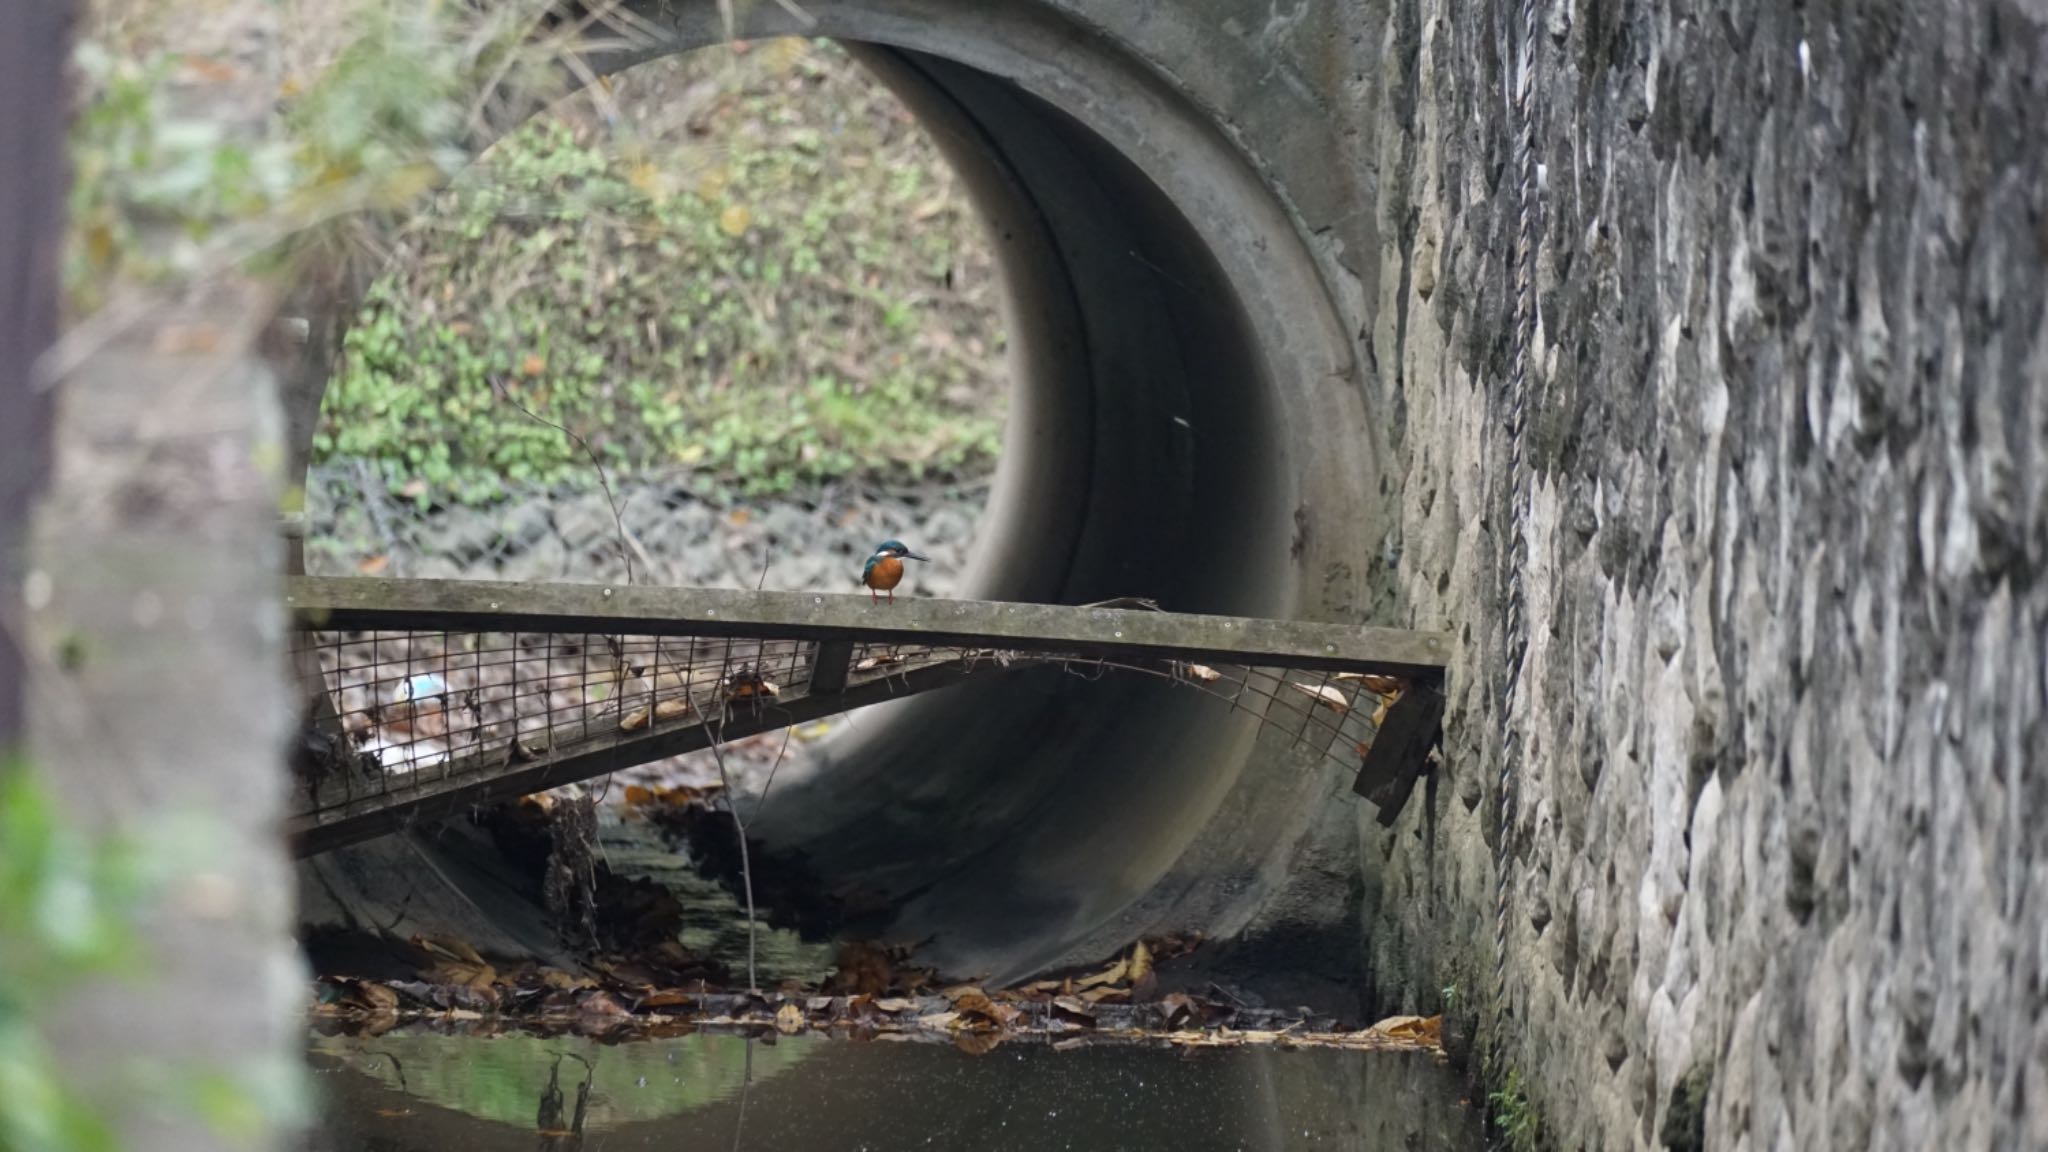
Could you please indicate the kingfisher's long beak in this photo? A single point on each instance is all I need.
(914, 556)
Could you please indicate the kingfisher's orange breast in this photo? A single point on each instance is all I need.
(887, 573)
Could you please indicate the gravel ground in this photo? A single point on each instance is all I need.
(674, 536)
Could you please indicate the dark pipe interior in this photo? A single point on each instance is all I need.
(1172, 431)
(1015, 816)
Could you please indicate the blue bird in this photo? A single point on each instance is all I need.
(884, 569)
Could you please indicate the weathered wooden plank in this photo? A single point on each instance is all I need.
(455, 605)
(376, 814)
(1400, 750)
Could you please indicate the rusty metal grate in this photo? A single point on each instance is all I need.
(417, 722)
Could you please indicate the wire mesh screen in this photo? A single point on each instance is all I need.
(417, 716)
(416, 709)
(430, 702)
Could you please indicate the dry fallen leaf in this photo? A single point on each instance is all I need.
(1176, 1006)
(746, 685)
(1141, 962)
(600, 1004)
(1075, 1009)
(789, 1019)
(977, 1006)
(1203, 672)
(1377, 685)
(862, 967)
(671, 709)
(461, 973)
(562, 981)
(895, 1005)
(1114, 974)
(372, 565)
(634, 722)
(1324, 694)
(1419, 1029)
(977, 1043)
(374, 997)
(455, 963)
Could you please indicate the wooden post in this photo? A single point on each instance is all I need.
(33, 89)
(158, 701)
(830, 661)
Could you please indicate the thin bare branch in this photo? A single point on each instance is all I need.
(603, 477)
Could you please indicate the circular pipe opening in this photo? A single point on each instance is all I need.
(1186, 425)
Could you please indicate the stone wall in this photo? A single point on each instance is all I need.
(1781, 813)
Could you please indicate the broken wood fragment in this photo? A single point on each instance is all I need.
(1400, 751)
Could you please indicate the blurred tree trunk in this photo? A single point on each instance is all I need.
(159, 703)
(32, 88)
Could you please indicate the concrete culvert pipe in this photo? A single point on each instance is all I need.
(1189, 425)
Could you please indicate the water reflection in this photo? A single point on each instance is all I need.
(555, 1133)
(424, 1092)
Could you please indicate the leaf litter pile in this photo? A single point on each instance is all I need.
(874, 994)
(638, 980)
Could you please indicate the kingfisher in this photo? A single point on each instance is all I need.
(884, 570)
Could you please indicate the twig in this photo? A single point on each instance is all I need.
(788, 730)
(603, 478)
(739, 825)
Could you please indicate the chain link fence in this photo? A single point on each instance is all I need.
(356, 525)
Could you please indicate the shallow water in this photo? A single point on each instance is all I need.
(427, 1092)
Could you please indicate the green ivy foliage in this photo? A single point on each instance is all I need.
(66, 906)
(767, 305)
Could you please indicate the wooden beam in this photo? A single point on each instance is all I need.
(358, 604)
